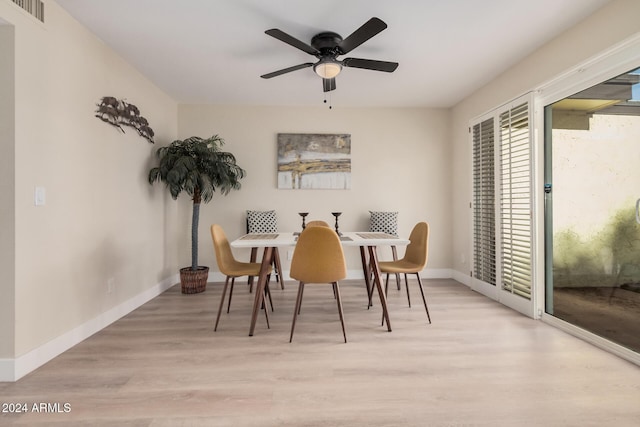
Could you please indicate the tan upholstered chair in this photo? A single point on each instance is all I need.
(317, 223)
(232, 268)
(413, 262)
(318, 258)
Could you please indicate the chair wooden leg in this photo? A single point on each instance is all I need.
(336, 289)
(386, 285)
(224, 292)
(267, 295)
(254, 255)
(267, 292)
(372, 280)
(296, 310)
(233, 280)
(406, 285)
(394, 252)
(423, 298)
(266, 312)
(301, 289)
(264, 293)
(278, 267)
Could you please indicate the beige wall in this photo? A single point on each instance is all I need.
(612, 24)
(7, 216)
(102, 221)
(399, 159)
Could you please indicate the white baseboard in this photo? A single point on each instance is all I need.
(14, 369)
(461, 277)
(437, 273)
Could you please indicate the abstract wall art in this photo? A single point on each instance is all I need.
(314, 161)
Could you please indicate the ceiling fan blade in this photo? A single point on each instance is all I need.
(290, 40)
(369, 29)
(287, 70)
(328, 84)
(370, 64)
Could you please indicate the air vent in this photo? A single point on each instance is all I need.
(34, 7)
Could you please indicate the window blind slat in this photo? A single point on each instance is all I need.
(515, 201)
(484, 214)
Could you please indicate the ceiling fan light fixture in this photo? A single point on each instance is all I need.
(327, 70)
(327, 46)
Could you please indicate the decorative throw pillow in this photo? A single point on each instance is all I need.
(262, 222)
(384, 222)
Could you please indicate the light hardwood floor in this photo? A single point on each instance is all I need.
(478, 364)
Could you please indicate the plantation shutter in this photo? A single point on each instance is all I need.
(515, 201)
(484, 206)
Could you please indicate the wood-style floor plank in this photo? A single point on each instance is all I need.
(477, 364)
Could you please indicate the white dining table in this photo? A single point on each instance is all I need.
(366, 241)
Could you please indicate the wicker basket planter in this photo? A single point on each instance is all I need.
(193, 282)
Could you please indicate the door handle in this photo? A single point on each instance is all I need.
(638, 211)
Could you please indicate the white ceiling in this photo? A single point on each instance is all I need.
(213, 51)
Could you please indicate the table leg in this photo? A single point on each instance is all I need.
(367, 275)
(277, 267)
(252, 258)
(373, 257)
(394, 252)
(262, 282)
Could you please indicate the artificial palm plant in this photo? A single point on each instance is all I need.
(198, 167)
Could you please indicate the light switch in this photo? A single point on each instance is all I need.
(40, 196)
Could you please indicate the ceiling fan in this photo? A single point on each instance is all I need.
(327, 46)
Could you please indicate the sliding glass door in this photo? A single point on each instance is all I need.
(592, 186)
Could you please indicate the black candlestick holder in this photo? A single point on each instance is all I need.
(337, 214)
(303, 215)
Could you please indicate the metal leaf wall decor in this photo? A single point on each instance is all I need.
(118, 113)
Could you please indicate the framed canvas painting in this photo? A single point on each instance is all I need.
(314, 161)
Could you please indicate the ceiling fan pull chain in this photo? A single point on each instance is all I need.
(326, 86)
(324, 89)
